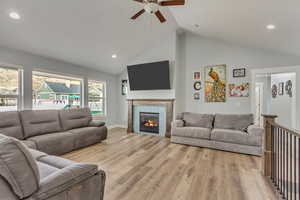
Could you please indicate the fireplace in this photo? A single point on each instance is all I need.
(149, 122)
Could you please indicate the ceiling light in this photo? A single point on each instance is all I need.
(271, 27)
(14, 15)
(114, 56)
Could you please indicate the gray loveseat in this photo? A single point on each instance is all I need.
(235, 133)
(52, 131)
(32, 175)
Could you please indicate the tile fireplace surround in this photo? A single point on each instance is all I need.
(168, 104)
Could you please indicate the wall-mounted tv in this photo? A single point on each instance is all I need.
(149, 76)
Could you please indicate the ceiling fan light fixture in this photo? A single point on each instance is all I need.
(151, 8)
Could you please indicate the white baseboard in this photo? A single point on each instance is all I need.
(116, 126)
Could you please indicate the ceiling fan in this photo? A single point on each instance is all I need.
(152, 7)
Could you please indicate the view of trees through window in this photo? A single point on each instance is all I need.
(96, 97)
(53, 92)
(9, 89)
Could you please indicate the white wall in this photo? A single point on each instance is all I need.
(31, 62)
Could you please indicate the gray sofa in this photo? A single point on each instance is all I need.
(235, 133)
(28, 172)
(32, 175)
(53, 132)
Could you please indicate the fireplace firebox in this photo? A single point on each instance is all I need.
(149, 122)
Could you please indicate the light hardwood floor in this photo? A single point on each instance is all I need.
(151, 168)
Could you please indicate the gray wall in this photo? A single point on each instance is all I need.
(200, 52)
(31, 62)
(192, 53)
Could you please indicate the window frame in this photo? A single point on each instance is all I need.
(19, 96)
(103, 98)
(49, 74)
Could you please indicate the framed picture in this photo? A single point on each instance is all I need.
(197, 85)
(197, 96)
(215, 83)
(281, 88)
(197, 76)
(241, 90)
(124, 87)
(238, 73)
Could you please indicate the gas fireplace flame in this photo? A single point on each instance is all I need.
(151, 123)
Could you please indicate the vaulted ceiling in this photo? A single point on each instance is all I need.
(87, 33)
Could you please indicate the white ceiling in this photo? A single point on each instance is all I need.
(83, 32)
(244, 22)
(88, 32)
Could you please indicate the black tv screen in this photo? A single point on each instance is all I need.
(150, 76)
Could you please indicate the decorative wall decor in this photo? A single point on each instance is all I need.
(197, 96)
(197, 85)
(124, 87)
(215, 83)
(238, 73)
(197, 76)
(241, 90)
(281, 88)
(289, 87)
(274, 91)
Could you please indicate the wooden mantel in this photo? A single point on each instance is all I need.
(167, 103)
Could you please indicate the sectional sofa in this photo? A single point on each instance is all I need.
(28, 172)
(235, 133)
(54, 132)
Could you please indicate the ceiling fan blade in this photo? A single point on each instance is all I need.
(138, 14)
(140, 1)
(160, 16)
(172, 3)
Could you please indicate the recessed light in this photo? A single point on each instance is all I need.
(114, 56)
(271, 27)
(14, 15)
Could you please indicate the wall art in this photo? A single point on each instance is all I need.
(238, 73)
(289, 88)
(197, 85)
(124, 87)
(274, 91)
(240, 90)
(197, 76)
(215, 83)
(281, 88)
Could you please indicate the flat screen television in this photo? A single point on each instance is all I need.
(150, 76)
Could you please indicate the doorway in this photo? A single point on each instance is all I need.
(259, 88)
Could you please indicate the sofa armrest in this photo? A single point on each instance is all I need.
(256, 130)
(66, 178)
(178, 123)
(96, 123)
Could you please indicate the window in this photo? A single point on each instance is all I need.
(52, 91)
(10, 98)
(96, 96)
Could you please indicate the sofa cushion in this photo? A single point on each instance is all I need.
(198, 120)
(56, 162)
(39, 122)
(75, 118)
(235, 137)
(87, 136)
(18, 167)
(30, 144)
(46, 170)
(10, 125)
(236, 122)
(192, 132)
(54, 143)
(96, 123)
